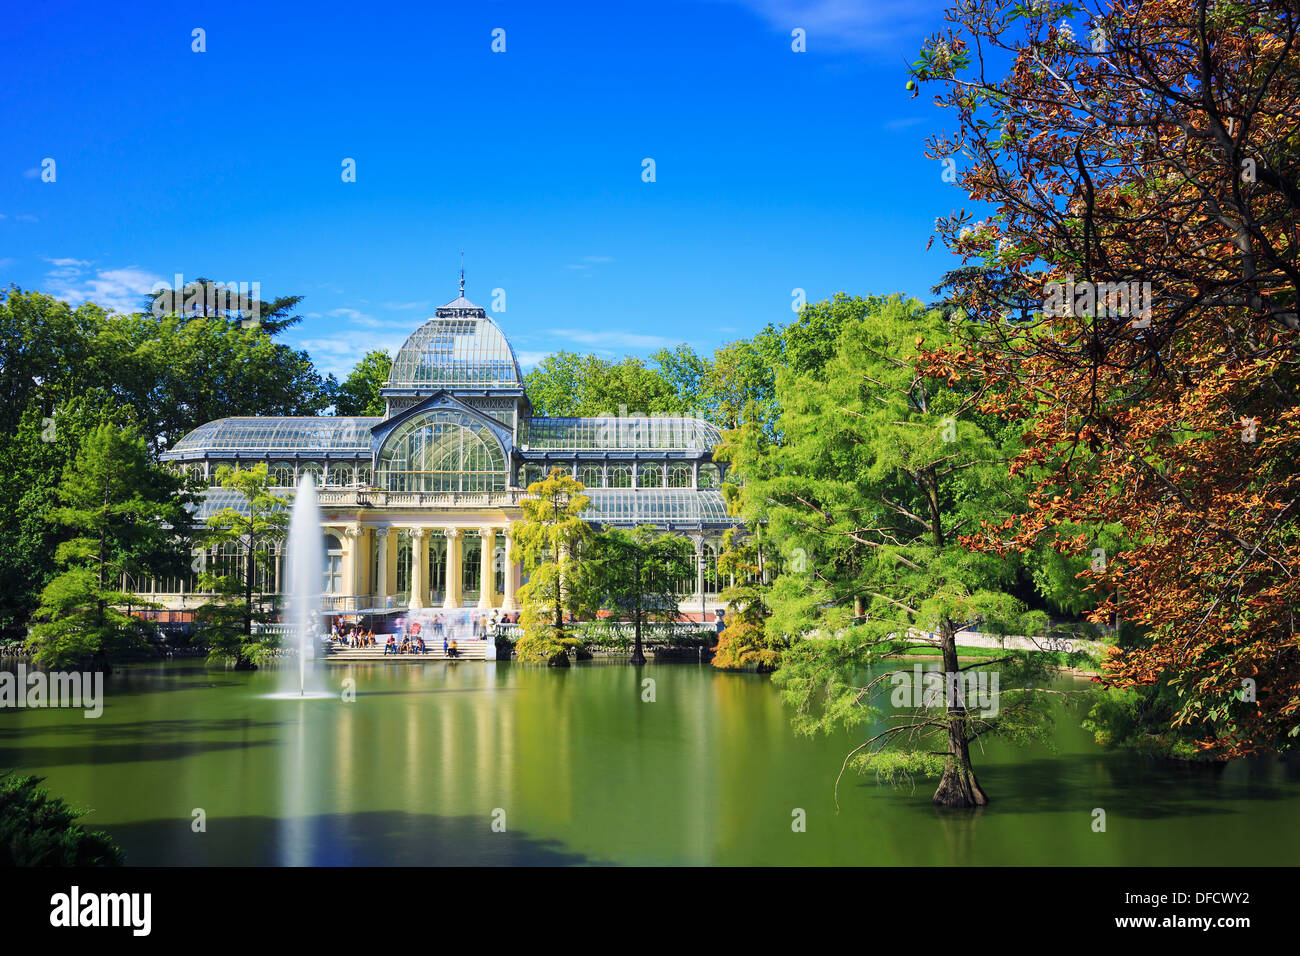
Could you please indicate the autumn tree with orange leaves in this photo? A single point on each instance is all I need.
(1141, 162)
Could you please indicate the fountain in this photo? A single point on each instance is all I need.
(306, 581)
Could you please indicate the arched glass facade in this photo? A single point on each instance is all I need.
(442, 450)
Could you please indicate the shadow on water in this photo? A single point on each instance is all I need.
(134, 742)
(376, 838)
(1131, 786)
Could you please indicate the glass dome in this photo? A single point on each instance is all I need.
(459, 347)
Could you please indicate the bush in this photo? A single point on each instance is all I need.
(37, 829)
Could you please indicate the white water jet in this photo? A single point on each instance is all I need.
(306, 575)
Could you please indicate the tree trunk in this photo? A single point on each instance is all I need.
(958, 787)
(638, 655)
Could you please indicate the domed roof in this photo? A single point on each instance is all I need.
(459, 347)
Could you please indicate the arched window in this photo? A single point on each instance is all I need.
(530, 473)
(679, 476)
(590, 476)
(442, 450)
(339, 474)
(620, 476)
(312, 468)
(281, 474)
(710, 475)
(650, 475)
(361, 475)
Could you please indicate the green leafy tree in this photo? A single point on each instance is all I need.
(241, 590)
(359, 393)
(126, 514)
(877, 471)
(550, 542)
(634, 573)
(745, 641)
(37, 829)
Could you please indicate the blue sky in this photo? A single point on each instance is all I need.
(775, 170)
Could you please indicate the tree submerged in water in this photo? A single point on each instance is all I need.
(874, 470)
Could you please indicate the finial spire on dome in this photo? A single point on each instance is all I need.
(462, 273)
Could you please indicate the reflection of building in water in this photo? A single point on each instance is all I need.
(417, 504)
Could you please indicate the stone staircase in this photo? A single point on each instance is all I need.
(469, 651)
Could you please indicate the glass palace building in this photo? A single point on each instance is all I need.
(417, 504)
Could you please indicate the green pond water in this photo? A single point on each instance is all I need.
(584, 772)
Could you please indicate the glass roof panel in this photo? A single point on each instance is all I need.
(662, 507)
(277, 436)
(619, 434)
(463, 348)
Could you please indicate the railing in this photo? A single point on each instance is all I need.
(373, 498)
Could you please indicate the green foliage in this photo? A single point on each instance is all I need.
(567, 384)
(123, 511)
(63, 371)
(870, 475)
(359, 392)
(37, 829)
(241, 593)
(745, 642)
(550, 542)
(634, 574)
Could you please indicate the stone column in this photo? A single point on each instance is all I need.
(487, 567)
(381, 575)
(508, 602)
(419, 537)
(356, 560)
(455, 573)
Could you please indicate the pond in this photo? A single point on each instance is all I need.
(502, 763)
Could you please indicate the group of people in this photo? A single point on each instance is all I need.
(411, 641)
(352, 636)
(416, 645)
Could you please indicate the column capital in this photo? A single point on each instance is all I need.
(487, 531)
(419, 533)
(381, 532)
(353, 531)
(451, 532)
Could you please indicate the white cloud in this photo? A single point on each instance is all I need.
(122, 290)
(405, 306)
(849, 24)
(339, 354)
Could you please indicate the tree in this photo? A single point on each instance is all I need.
(37, 829)
(635, 573)
(359, 393)
(1143, 183)
(567, 384)
(550, 541)
(876, 471)
(128, 518)
(745, 642)
(252, 533)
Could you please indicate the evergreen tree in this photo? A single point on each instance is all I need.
(634, 573)
(550, 542)
(876, 472)
(241, 587)
(128, 521)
